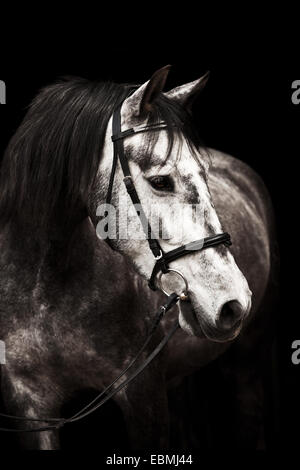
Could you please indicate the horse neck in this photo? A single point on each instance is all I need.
(55, 255)
(29, 246)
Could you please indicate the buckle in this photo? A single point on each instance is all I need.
(128, 183)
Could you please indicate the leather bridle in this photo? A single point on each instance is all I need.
(161, 266)
(162, 259)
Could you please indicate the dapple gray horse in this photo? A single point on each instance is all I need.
(74, 310)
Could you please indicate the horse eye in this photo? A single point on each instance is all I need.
(161, 183)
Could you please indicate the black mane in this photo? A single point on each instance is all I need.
(51, 161)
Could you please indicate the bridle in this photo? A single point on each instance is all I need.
(161, 267)
(162, 259)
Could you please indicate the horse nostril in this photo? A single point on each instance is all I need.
(230, 315)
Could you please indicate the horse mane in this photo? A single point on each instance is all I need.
(50, 164)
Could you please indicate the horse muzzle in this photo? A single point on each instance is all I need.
(225, 327)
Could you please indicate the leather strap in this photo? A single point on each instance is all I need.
(108, 392)
(136, 130)
(183, 250)
(119, 153)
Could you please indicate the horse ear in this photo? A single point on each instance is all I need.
(141, 101)
(186, 94)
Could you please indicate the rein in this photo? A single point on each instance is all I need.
(108, 392)
(161, 266)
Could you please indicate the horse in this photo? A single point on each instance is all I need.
(74, 308)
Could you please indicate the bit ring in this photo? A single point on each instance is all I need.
(183, 295)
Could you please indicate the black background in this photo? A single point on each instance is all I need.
(246, 111)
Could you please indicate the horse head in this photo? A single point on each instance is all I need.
(170, 169)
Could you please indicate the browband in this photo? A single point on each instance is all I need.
(136, 130)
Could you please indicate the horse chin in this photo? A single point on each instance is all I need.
(220, 337)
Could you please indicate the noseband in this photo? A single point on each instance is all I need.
(162, 259)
